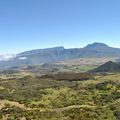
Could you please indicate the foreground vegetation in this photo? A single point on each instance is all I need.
(89, 97)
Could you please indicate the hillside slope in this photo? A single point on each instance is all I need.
(108, 67)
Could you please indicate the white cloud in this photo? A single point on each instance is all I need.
(7, 57)
(22, 58)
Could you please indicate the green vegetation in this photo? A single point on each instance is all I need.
(49, 98)
(108, 67)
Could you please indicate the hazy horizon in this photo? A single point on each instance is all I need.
(13, 54)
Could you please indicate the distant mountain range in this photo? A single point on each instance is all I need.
(51, 55)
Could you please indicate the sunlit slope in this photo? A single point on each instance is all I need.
(43, 98)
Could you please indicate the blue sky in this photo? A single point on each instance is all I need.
(33, 24)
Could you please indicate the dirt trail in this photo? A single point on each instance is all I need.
(71, 107)
(3, 103)
(57, 110)
(22, 106)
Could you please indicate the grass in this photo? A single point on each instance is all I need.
(36, 98)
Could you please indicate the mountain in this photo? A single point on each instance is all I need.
(108, 67)
(55, 54)
(118, 60)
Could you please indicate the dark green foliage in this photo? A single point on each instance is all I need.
(89, 114)
(108, 67)
(70, 76)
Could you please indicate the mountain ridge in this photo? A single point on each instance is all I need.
(51, 55)
(109, 66)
